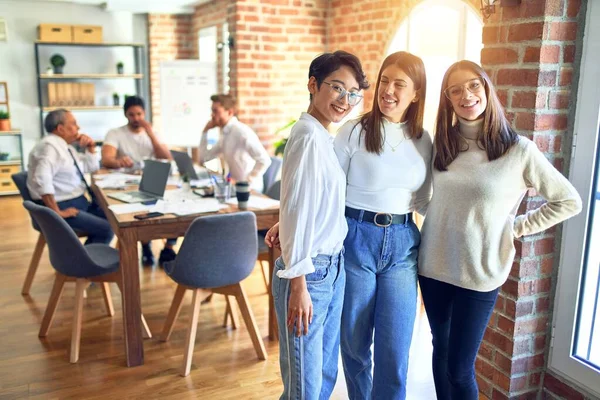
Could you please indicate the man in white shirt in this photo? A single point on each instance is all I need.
(239, 145)
(55, 177)
(126, 147)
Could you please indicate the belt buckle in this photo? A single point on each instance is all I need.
(391, 218)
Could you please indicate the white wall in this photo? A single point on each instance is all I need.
(17, 59)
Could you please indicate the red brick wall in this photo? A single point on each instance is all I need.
(529, 53)
(169, 38)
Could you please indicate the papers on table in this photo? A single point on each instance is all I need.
(128, 208)
(115, 180)
(183, 207)
(257, 202)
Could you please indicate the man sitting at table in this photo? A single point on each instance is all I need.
(239, 145)
(129, 145)
(55, 178)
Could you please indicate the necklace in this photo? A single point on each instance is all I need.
(396, 146)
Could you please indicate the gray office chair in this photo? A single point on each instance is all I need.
(271, 173)
(75, 262)
(217, 253)
(20, 180)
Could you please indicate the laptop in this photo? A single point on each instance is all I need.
(185, 166)
(152, 185)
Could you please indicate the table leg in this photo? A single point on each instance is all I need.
(130, 295)
(273, 330)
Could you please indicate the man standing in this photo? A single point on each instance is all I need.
(129, 145)
(55, 176)
(239, 145)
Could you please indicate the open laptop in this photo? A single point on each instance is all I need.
(185, 166)
(152, 185)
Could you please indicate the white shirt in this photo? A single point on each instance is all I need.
(137, 146)
(242, 150)
(397, 181)
(52, 170)
(313, 188)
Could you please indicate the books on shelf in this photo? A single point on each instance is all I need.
(70, 94)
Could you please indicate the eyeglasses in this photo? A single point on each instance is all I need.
(353, 97)
(455, 92)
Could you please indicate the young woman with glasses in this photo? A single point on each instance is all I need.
(308, 283)
(386, 158)
(481, 171)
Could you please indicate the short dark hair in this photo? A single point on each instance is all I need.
(133, 101)
(327, 63)
(226, 100)
(54, 119)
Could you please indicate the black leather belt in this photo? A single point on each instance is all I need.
(379, 219)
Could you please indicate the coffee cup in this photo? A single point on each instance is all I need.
(242, 193)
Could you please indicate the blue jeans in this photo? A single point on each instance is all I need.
(90, 220)
(458, 318)
(381, 295)
(309, 363)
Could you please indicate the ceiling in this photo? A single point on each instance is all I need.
(140, 6)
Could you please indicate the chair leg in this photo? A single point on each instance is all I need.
(34, 263)
(146, 329)
(191, 335)
(264, 274)
(57, 288)
(231, 312)
(173, 313)
(257, 341)
(108, 298)
(77, 318)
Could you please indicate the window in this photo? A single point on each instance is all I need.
(575, 351)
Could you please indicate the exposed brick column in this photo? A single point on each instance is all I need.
(169, 38)
(529, 53)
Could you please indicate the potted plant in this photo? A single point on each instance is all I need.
(115, 99)
(120, 67)
(4, 121)
(4, 156)
(283, 131)
(58, 62)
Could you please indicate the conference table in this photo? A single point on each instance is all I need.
(130, 231)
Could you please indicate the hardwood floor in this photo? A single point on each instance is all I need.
(224, 366)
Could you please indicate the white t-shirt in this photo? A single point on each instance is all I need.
(137, 146)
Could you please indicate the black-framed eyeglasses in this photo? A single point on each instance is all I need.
(455, 92)
(353, 97)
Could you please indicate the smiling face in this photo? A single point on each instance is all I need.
(466, 91)
(395, 94)
(326, 105)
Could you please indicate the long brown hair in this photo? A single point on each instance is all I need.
(497, 136)
(372, 122)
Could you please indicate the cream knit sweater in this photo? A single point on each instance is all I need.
(467, 237)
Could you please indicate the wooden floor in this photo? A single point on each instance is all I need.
(224, 365)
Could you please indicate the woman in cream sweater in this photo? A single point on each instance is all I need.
(481, 171)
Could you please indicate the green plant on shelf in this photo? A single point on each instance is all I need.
(4, 115)
(58, 62)
(284, 132)
(120, 66)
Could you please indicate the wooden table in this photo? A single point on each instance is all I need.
(130, 230)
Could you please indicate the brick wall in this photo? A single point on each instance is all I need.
(530, 54)
(169, 38)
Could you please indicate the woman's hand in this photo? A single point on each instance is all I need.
(300, 308)
(272, 237)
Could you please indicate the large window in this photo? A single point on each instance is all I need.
(576, 344)
(441, 32)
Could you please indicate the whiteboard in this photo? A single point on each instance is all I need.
(185, 90)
